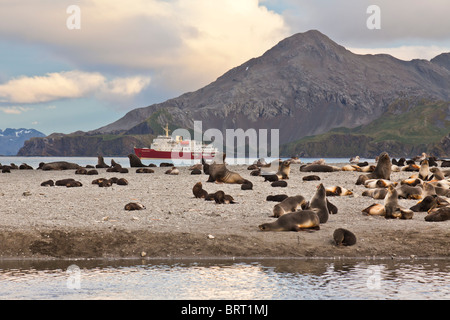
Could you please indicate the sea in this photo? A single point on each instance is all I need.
(257, 281)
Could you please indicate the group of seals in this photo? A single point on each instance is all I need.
(219, 196)
(218, 172)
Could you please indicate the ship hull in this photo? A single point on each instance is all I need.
(147, 153)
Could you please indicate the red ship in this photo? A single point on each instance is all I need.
(165, 147)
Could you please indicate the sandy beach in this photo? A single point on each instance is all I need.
(90, 221)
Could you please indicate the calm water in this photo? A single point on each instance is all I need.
(277, 279)
(83, 161)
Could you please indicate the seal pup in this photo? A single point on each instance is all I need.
(338, 191)
(48, 183)
(428, 203)
(379, 183)
(406, 191)
(134, 206)
(318, 204)
(221, 198)
(282, 184)
(247, 185)
(311, 178)
(270, 177)
(290, 204)
(74, 184)
(145, 170)
(438, 214)
(375, 209)
(344, 237)
(81, 171)
(173, 171)
(122, 182)
(437, 173)
(196, 171)
(354, 160)
(92, 172)
(318, 168)
(198, 191)
(294, 221)
(63, 182)
(277, 197)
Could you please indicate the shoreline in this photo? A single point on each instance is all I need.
(90, 222)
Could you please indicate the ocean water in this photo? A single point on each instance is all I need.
(268, 279)
(124, 161)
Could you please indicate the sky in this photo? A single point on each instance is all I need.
(71, 65)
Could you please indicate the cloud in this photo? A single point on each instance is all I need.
(183, 43)
(15, 109)
(68, 85)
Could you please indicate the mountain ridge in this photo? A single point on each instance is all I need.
(305, 85)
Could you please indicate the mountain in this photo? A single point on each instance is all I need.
(11, 140)
(305, 85)
(403, 129)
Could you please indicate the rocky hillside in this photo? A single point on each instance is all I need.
(11, 140)
(305, 85)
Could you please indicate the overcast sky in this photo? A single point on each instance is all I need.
(130, 54)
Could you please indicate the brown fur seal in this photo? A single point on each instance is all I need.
(135, 162)
(375, 209)
(282, 184)
(196, 171)
(392, 208)
(63, 182)
(294, 221)
(284, 169)
(424, 171)
(101, 163)
(134, 206)
(277, 197)
(58, 165)
(344, 237)
(379, 183)
(317, 168)
(377, 193)
(173, 171)
(438, 214)
(318, 204)
(81, 171)
(145, 170)
(408, 192)
(247, 185)
(92, 172)
(48, 183)
(290, 204)
(218, 172)
(198, 191)
(221, 198)
(382, 170)
(338, 191)
(74, 184)
(270, 177)
(427, 203)
(122, 182)
(311, 178)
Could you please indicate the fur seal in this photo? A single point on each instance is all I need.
(317, 168)
(282, 184)
(198, 191)
(318, 204)
(408, 192)
(81, 171)
(74, 184)
(311, 178)
(218, 172)
(135, 162)
(438, 214)
(6, 169)
(379, 183)
(145, 170)
(221, 198)
(392, 208)
(134, 206)
(58, 165)
(247, 185)
(424, 171)
(270, 177)
(277, 197)
(196, 171)
(428, 203)
(101, 163)
(63, 182)
(337, 191)
(284, 169)
(344, 237)
(382, 170)
(377, 193)
(290, 204)
(294, 221)
(375, 209)
(92, 172)
(25, 166)
(173, 171)
(48, 183)
(122, 182)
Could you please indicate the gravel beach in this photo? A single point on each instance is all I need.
(91, 222)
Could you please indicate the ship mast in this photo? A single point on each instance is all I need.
(166, 129)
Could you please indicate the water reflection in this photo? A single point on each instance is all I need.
(276, 279)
